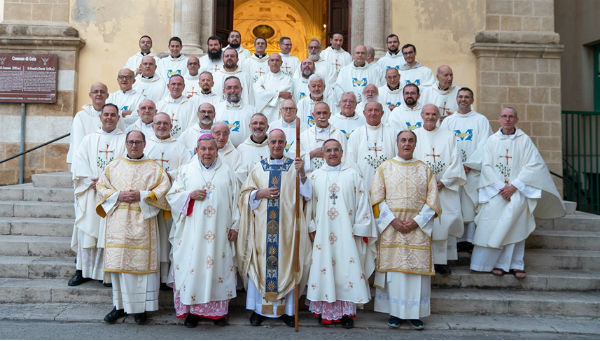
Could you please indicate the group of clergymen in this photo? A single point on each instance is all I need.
(186, 177)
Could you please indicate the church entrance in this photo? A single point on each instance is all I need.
(300, 20)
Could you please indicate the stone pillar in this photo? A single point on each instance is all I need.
(518, 65)
(374, 25)
(357, 23)
(187, 24)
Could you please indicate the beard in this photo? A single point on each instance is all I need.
(234, 98)
(307, 73)
(314, 57)
(206, 121)
(234, 45)
(214, 56)
(395, 51)
(410, 101)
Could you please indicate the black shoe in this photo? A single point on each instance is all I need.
(393, 322)
(165, 287)
(288, 320)
(256, 319)
(191, 321)
(222, 322)
(464, 247)
(108, 285)
(416, 324)
(140, 318)
(442, 269)
(347, 322)
(77, 279)
(114, 315)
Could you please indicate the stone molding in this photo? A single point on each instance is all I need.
(517, 50)
(39, 37)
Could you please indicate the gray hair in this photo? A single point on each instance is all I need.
(329, 140)
(212, 129)
(406, 131)
(316, 77)
(136, 131)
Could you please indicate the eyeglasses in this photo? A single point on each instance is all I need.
(288, 109)
(98, 92)
(124, 77)
(135, 143)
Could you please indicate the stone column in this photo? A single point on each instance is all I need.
(357, 23)
(374, 25)
(187, 24)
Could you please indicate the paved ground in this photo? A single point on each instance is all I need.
(68, 321)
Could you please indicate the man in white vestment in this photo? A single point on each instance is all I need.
(227, 152)
(443, 92)
(149, 83)
(348, 119)
(134, 62)
(407, 115)
(235, 42)
(287, 123)
(127, 98)
(204, 205)
(515, 186)
(373, 143)
(390, 95)
(412, 71)
(145, 113)
(335, 54)
(171, 155)
(311, 139)
(87, 120)
(471, 129)
(131, 193)
(231, 68)
(235, 111)
(212, 61)
(175, 63)
(318, 92)
(437, 148)
(266, 240)
(356, 75)
(94, 152)
(371, 94)
(177, 106)
(272, 88)
(405, 199)
(393, 57)
(256, 65)
(341, 218)
(255, 148)
(290, 63)
(322, 66)
(307, 69)
(192, 77)
(189, 138)
(205, 95)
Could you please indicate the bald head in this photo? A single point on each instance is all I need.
(360, 55)
(193, 65)
(148, 66)
(444, 76)
(98, 94)
(275, 62)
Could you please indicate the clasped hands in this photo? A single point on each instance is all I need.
(129, 196)
(507, 191)
(404, 226)
(199, 194)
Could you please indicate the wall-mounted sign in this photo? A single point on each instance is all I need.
(28, 78)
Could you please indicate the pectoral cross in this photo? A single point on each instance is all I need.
(506, 156)
(173, 119)
(260, 73)
(337, 66)
(433, 155)
(162, 160)
(333, 189)
(333, 196)
(216, 68)
(443, 109)
(375, 148)
(192, 93)
(106, 152)
(287, 69)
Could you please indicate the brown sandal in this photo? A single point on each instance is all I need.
(498, 272)
(519, 274)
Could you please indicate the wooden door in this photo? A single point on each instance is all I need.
(223, 19)
(339, 20)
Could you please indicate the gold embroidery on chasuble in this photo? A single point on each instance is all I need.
(131, 242)
(404, 187)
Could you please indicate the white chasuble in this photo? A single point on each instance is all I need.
(336, 58)
(306, 107)
(266, 93)
(151, 88)
(347, 124)
(390, 60)
(437, 149)
(355, 78)
(212, 66)
(471, 130)
(513, 159)
(369, 147)
(290, 64)
(245, 80)
(445, 100)
(232, 158)
(237, 116)
(313, 138)
(266, 239)
(85, 122)
(390, 97)
(181, 111)
(134, 62)
(301, 88)
(191, 86)
(131, 236)
(145, 128)
(203, 264)
(406, 118)
(189, 139)
(417, 74)
(95, 152)
(169, 153)
(169, 66)
(341, 216)
(128, 100)
(256, 67)
(251, 153)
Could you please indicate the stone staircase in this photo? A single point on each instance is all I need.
(562, 261)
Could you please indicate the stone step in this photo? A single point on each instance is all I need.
(52, 180)
(563, 259)
(579, 221)
(36, 267)
(57, 227)
(559, 239)
(463, 300)
(27, 192)
(517, 302)
(14, 245)
(36, 209)
(537, 279)
(570, 206)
